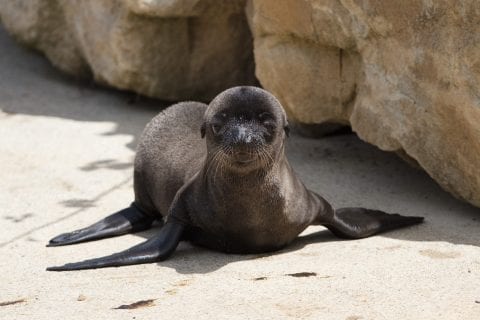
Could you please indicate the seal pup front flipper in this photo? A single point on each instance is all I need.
(155, 249)
(356, 223)
(127, 220)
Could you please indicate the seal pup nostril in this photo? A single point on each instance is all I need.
(240, 134)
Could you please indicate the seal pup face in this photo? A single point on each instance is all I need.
(245, 128)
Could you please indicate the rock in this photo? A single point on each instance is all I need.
(170, 49)
(406, 77)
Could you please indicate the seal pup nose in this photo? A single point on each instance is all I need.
(242, 135)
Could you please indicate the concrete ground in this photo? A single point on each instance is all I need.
(66, 151)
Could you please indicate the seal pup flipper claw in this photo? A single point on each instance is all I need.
(127, 220)
(356, 223)
(155, 249)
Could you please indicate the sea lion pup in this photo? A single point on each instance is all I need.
(234, 191)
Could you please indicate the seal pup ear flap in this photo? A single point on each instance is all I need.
(287, 128)
(203, 129)
(286, 125)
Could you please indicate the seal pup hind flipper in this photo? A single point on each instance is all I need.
(128, 220)
(357, 223)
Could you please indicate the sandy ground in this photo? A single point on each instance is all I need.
(66, 151)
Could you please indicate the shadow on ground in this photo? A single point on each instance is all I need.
(27, 75)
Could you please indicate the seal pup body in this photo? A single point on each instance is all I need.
(218, 176)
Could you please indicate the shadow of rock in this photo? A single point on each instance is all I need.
(30, 85)
(349, 172)
(18, 219)
(78, 203)
(111, 164)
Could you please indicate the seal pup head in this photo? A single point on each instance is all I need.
(245, 128)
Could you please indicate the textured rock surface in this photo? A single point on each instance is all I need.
(174, 50)
(405, 76)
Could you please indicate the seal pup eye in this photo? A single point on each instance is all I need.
(267, 120)
(264, 116)
(216, 128)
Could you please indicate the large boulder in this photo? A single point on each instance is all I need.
(170, 49)
(405, 75)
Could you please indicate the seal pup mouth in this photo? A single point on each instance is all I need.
(243, 158)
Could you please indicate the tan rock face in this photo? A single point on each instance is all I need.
(405, 75)
(170, 49)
